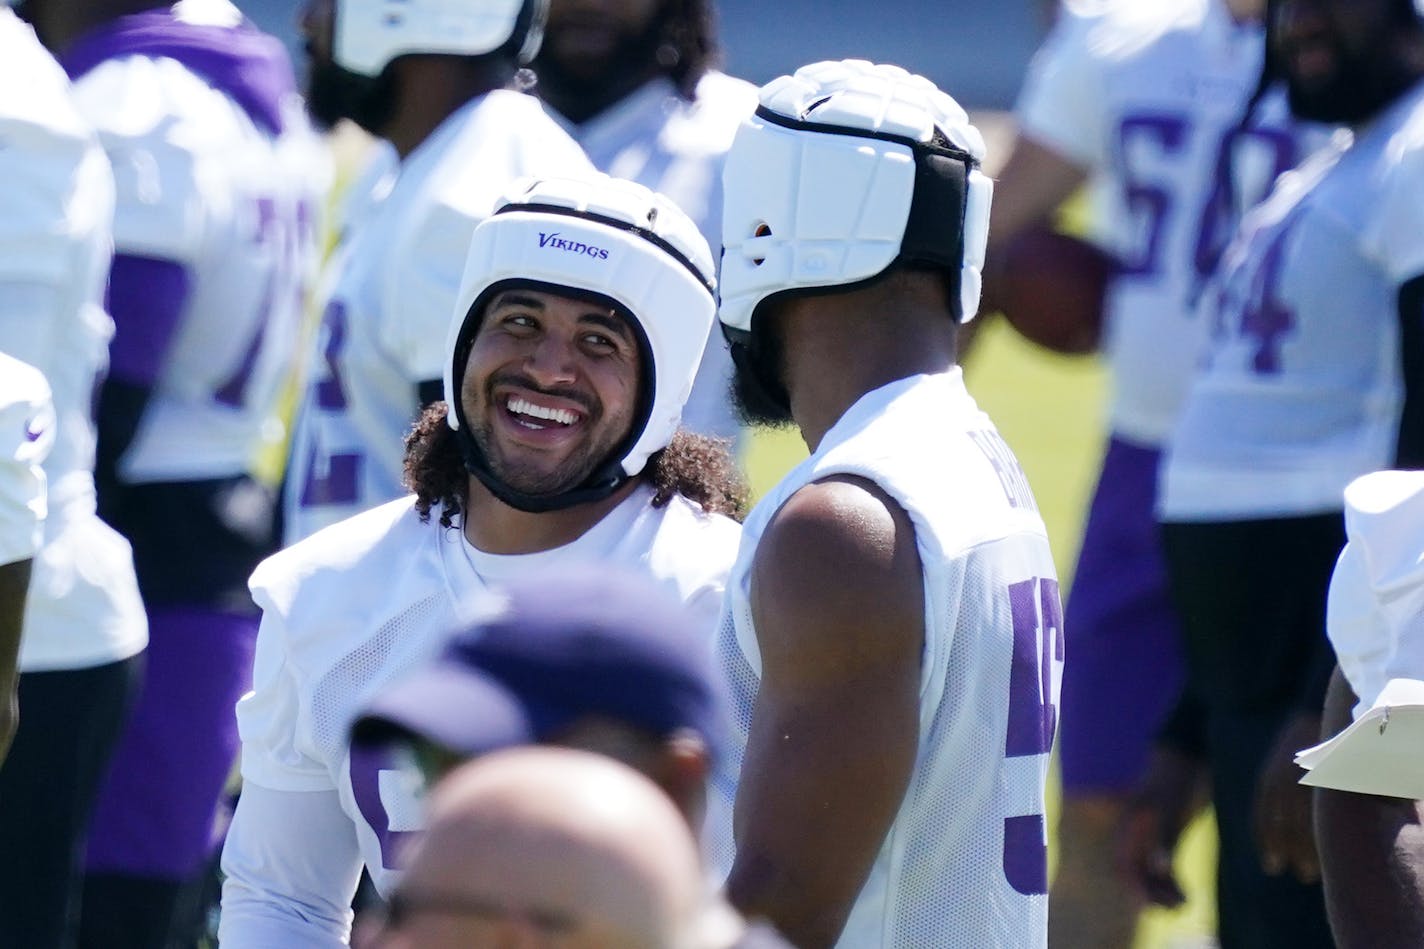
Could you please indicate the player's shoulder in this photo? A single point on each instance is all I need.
(159, 100)
(350, 554)
(505, 126)
(36, 107)
(725, 98)
(692, 547)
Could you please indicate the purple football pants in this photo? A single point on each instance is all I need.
(1125, 667)
(154, 816)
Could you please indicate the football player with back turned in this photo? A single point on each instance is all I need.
(892, 633)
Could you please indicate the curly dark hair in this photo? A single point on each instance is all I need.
(699, 468)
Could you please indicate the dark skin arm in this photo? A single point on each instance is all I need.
(14, 585)
(837, 596)
(1371, 854)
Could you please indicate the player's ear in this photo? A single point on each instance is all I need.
(684, 764)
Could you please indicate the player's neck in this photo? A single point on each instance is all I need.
(433, 88)
(58, 23)
(837, 348)
(494, 527)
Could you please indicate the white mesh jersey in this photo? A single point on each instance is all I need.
(202, 185)
(358, 604)
(1145, 97)
(1302, 388)
(964, 863)
(56, 212)
(26, 433)
(391, 294)
(657, 138)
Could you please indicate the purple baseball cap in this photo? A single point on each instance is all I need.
(589, 641)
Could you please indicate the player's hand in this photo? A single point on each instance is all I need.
(1285, 833)
(1164, 802)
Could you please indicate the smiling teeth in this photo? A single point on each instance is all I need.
(525, 407)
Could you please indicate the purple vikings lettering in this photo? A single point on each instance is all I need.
(574, 247)
(1011, 476)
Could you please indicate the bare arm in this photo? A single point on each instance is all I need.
(1030, 187)
(14, 584)
(1371, 854)
(838, 600)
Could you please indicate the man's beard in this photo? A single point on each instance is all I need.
(756, 380)
(1357, 90)
(334, 93)
(630, 60)
(532, 481)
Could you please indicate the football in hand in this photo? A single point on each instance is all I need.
(1053, 288)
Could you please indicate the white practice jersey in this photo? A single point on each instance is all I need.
(26, 434)
(56, 215)
(1375, 617)
(229, 192)
(1302, 387)
(354, 607)
(965, 862)
(1147, 97)
(390, 295)
(657, 138)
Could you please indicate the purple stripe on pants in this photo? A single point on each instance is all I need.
(1126, 666)
(154, 816)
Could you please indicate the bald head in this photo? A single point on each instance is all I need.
(539, 840)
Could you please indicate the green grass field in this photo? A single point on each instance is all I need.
(1050, 410)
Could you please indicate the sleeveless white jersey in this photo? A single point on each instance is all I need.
(1146, 96)
(391, 289)
(202, 185)
(1375, 617)
(675, 147)
(1302, 390)
(357, 605)
(56, 214)
(965, 862)
(26, 434)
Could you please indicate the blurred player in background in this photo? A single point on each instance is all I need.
(215, 169)
(435, 85)
(634, 83)
(892, 633)
(1153, 106)
(1314, 375)
(26, 431)
(84, 622)
(574, 343)
(1371, 845)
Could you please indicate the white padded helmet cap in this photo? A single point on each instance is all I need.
(371, 33)
(820, 183)
(611, 237)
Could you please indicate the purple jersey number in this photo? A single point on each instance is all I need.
(332, 479)
(1230, 196)
(284, 240)
(1149, 203)
(1265, 319)
(1033, 718)
(366, 767)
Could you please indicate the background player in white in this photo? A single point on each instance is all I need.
(1153, 106)
(214, 237)
(573, 345)
(1372, 846)
(633, 82)
(26, 432)
(892, 631)
(433, 83)
(84, 622)
(1314, 376)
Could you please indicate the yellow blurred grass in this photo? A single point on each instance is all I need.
(1050, 410)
